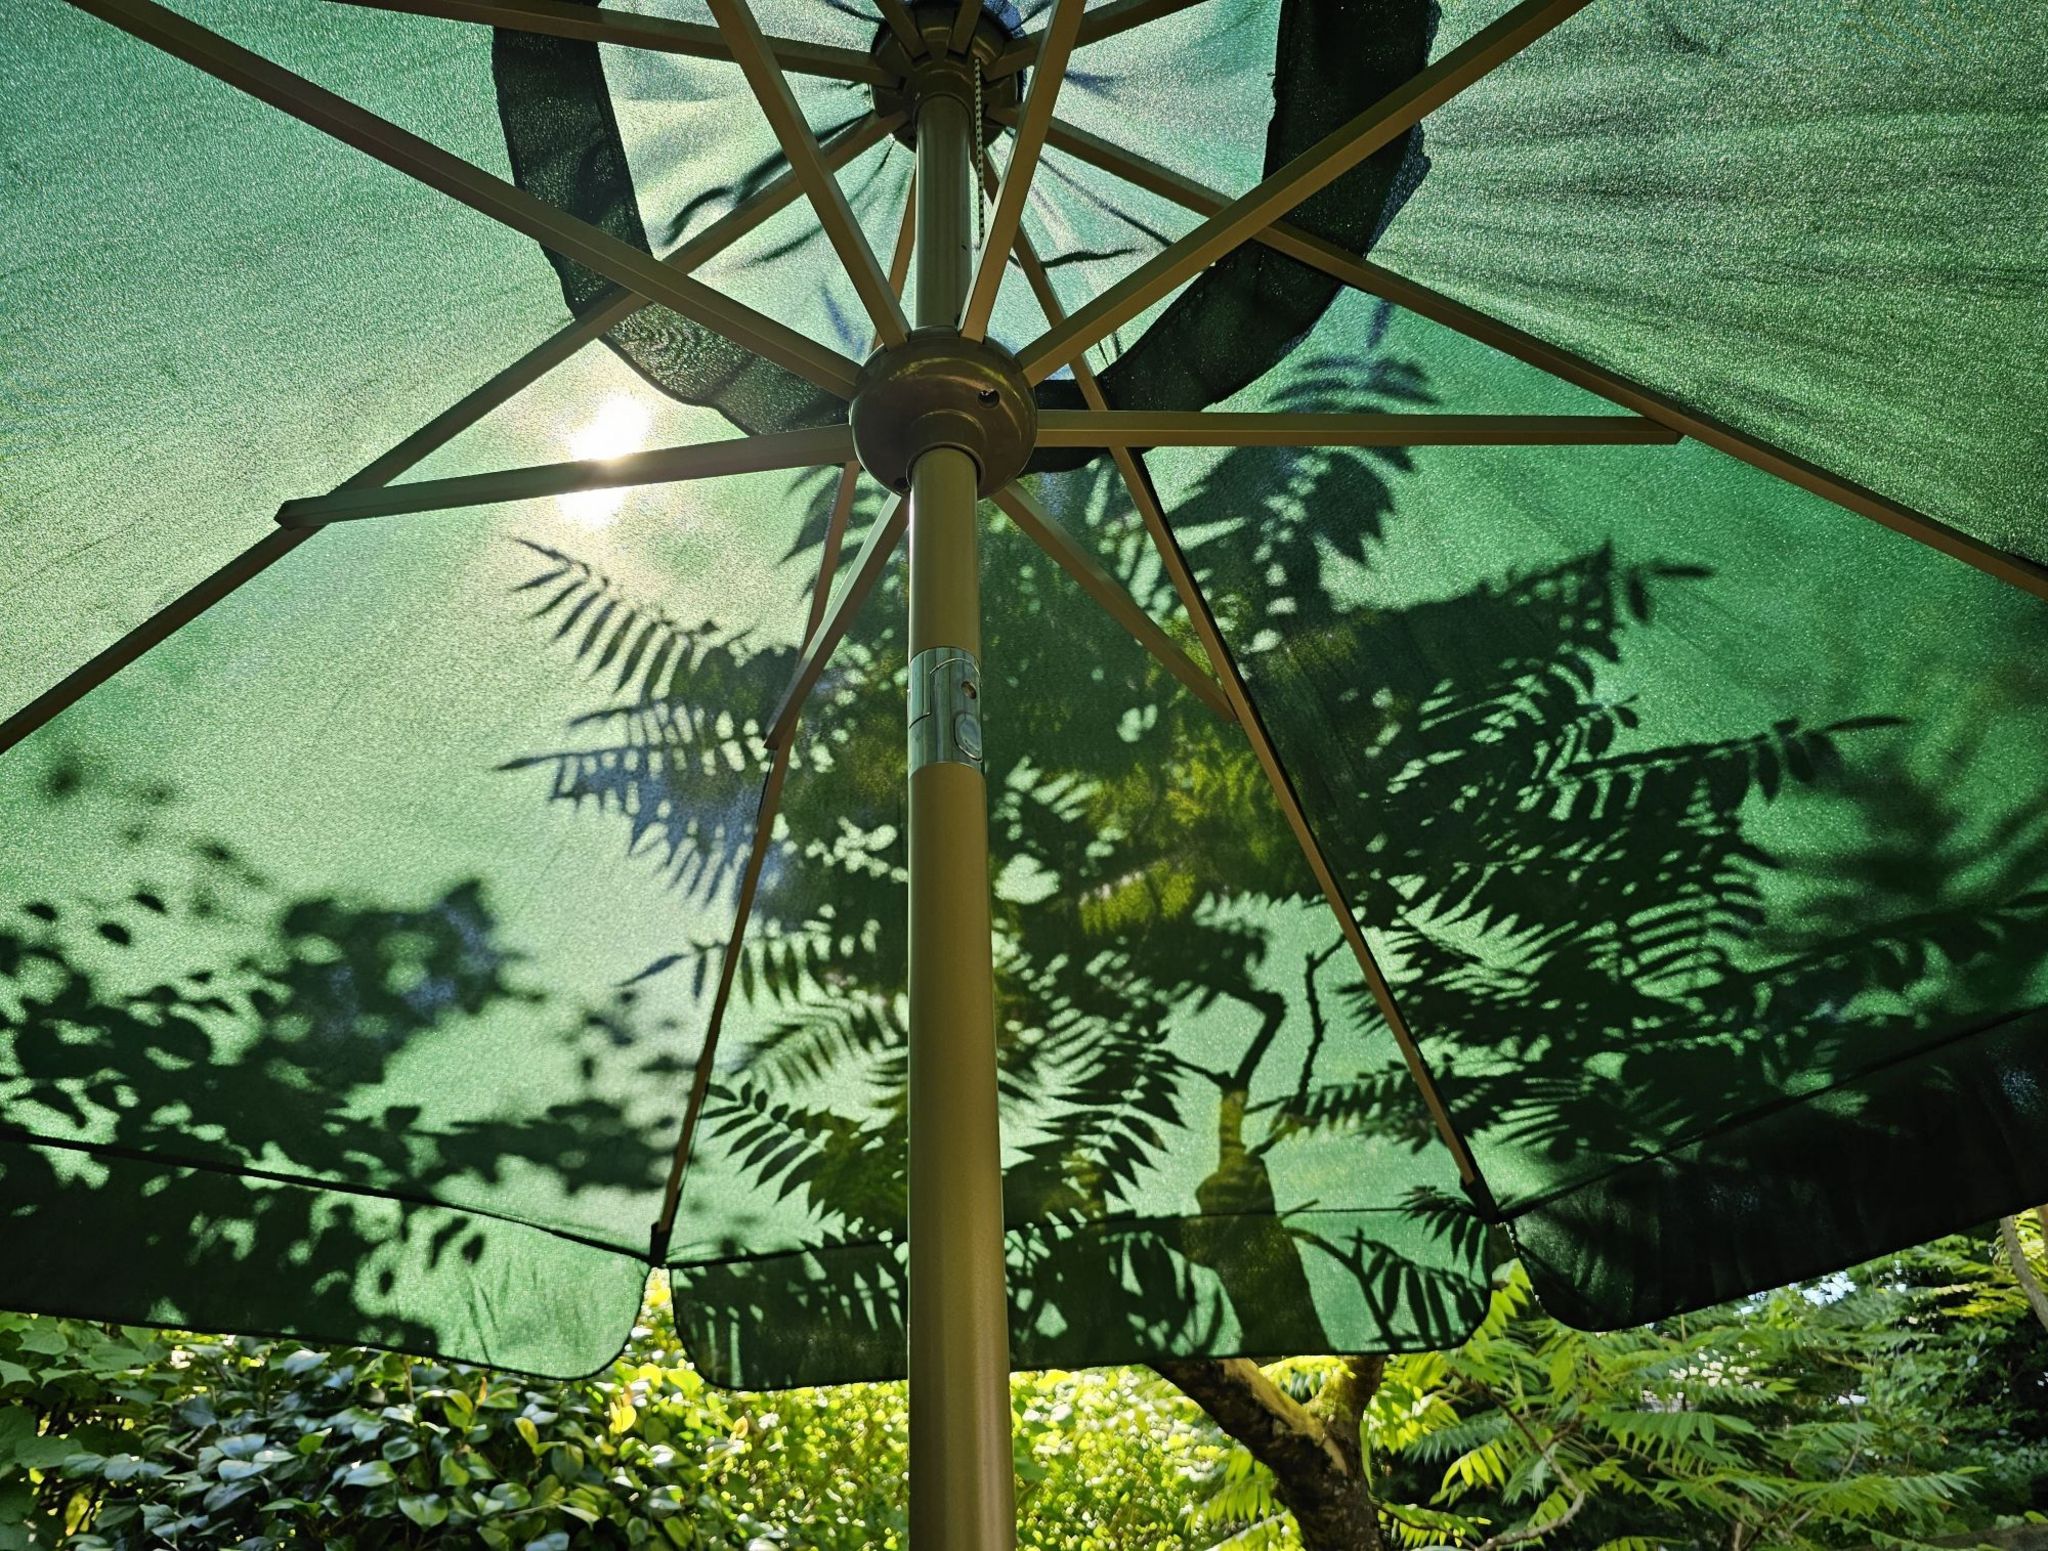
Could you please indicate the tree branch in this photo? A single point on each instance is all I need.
(1548, 1452)
(2030, 1284)
(1340, 1406)
(1315, 1451)
(1281, 1433)
(1536, 1531)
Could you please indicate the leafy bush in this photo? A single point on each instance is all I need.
(123, 1439)
(143, 1440)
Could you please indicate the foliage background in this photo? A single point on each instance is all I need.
(1904, 1401)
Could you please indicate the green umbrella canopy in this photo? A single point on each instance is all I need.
(448, 923)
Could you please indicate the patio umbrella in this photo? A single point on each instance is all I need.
(1497, 704)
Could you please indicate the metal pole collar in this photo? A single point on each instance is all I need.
(945, 708)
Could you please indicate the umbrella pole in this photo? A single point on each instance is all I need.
(962, 1493)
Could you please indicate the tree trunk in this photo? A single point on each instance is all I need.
(1316, 1452)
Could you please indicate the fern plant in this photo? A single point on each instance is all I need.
(1810, 1418)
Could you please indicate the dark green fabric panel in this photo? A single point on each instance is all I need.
(1085, 1293)
(339, 887)
(1665, 792)
(1826, 225)
(324, 913)
(1950, 1136)
(211, 309)
(128, 1239)
(357, 946)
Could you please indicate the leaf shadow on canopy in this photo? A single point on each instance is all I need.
(1607, 964)
(1211, 1146)
(214, 1145)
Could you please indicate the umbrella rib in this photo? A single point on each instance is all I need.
(1105, 21)
(1139, 483)
(764, 816)
(1362, 274)
(750, 212)
(1040, 280)
(830, 546)
(964, 21)
(160, 626)
(1055, 44)
(1109, 592)
(1247, 715)
(603, 315)
(1205, 686)
(904, 25)
(825, 628)
(867, 567)
(627, 29)
(849, 476)
(471, 185)
(1317, 167)
(1219, 428)
(810, 448)
(279, 542)
(865, 572)
(743, 903)
(750, 47)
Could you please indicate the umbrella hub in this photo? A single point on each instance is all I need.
(939, 72)
(939, 389)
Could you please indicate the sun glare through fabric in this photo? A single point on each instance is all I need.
(617, 427)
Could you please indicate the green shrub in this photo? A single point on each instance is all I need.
(123, 1439)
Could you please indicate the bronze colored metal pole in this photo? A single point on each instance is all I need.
(962, 1493)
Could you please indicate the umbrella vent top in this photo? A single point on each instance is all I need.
(941, 71)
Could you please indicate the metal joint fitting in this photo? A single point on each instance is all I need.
(940, 73)
(945, 708)
(939, 390)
